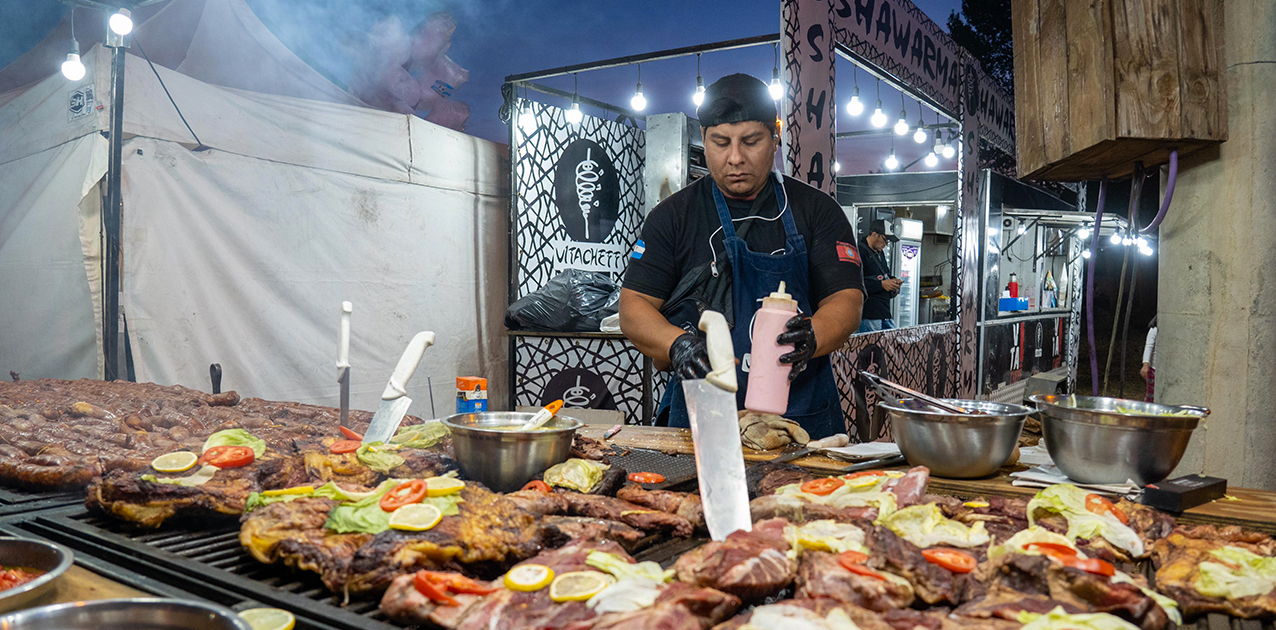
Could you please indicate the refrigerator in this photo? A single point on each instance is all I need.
(906, 256)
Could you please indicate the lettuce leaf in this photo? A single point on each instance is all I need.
(1170, 606)
(1248, 575)
(1057, 619)
(1033, 534)
(328, 490)
(424, 435)
(624, 570)
(625, 596)
(858, 492)
(236, 437)
(824, 535)
(1068, 501)
(580, 475)
(201, 477)
(366, 516)
(926, 526)
(379, 457)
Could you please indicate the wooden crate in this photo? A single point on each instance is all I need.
(1101, 84)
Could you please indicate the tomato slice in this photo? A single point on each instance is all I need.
(351, 435)
(859, 569)
(865, 473)
(951, 559)
(646, 477)
(457, 583)
(431, 590)
(850, 558)
(345, 446)
(1089, 565)
(823, 485)
(1100, 505)
(537, 485)
(403, 494)
(1054, 550)
(228, 456)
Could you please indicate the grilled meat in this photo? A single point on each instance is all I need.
(1178, 557)
(589, 448)
(910, 488)
(750, 565)
(488, 536)
(931, 583)
(1004, 603)
(772, 477)
(292, 532)
(567, 528)
(807, 614)
(403, 604)
(423, 463)
(798, 510)
(648, 520)
(821, 575)
(323, 465)
(684, 504)
(1003, 517)
(539, 503)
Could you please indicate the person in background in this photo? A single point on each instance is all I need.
(879, 285)
(1148, 371)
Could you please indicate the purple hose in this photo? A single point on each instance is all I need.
(1089, 280)
(1169, 194)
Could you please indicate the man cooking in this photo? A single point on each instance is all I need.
(727, 241)
(880, 285)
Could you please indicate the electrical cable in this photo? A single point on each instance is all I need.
(1125, 332)
(1136, 189)
(199, 144)
(1089, 286)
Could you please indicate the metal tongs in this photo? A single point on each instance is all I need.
(884, 386)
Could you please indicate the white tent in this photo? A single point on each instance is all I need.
(242, 254)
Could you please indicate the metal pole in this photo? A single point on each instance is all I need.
(113, 342)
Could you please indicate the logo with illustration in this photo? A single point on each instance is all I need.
(587, 191)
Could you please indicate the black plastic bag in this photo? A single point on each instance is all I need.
(572, 301)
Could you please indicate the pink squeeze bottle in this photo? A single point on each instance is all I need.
(768, 378)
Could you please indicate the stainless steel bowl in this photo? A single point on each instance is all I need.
(1092, 442)
(505, 460)
(956, 445)
(126, 614)
(53, 559)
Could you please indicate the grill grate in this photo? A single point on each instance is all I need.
(644, 460)
(19, 501)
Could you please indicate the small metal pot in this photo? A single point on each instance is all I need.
(505, 460)
(956, 445)
(126, 614)
(1092, 442)
(53, 559)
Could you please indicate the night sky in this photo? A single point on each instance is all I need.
(496, 38)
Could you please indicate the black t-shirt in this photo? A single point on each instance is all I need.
(675, 238)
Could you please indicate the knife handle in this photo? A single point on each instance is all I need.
(343, 337)
(721, 351)
(397, 386)
(832, 441)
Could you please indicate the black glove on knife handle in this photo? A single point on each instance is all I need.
(689, 357)
(798, 333)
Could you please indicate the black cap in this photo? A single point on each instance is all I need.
(737, 98)
(885, 229)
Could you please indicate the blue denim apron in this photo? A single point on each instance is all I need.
(814, 402)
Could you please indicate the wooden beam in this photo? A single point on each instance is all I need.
(1146, 64)
(1201, 66)
(1091, 105)
(1031, 148)
(1052, 89)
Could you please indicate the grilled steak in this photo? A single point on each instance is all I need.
(539, 503)
(403, 604)
(292, 532)
(798, 510)
(611, 508)
(910, 488)
(684, 504)
(821, 575)
(931, 583)
(1178, 557)
(772, 477)
(567, 528)
(1006, 604)
(750, 565)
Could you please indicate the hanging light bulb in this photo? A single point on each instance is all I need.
(776, 89)
(920, 136)
(1085, 253)
(901, 125)
(950, 148)
(837, 166)
(1083, 233)
(878, 119)
(573, 115)
(892, 162)
(1021, 228)
(1115, 239)
(855, 107)
(698, 96)
(526, 120)
(121, 22)
(638, 102)
(1145, 250)
(939, 144)
(73, 68)
(931, 159)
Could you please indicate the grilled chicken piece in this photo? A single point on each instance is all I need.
(1178, 558)
(684, 504)
(648, 520)
(821, 575)
(292, 532)
(128, 497)
(488, 536)
(750, 565)
(323, 465)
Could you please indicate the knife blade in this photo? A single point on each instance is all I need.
(832, 441)
(880, 462)
(394, 400)
(343, 361)
(715, 433)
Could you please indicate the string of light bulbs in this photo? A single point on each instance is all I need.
(120, 23)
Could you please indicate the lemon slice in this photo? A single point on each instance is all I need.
(268, 618)
(862, 482)
(976, 504)
(415, 517)
(529, 577)
(175, 462)
(577, 586)
(287, 491)
(442, 486)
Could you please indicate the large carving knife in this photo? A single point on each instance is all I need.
(394, 400)
(715, 430)
(343, 361)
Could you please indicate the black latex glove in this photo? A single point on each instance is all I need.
(689, 357)
(799, 334)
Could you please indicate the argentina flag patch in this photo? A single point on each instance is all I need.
(639, 248)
